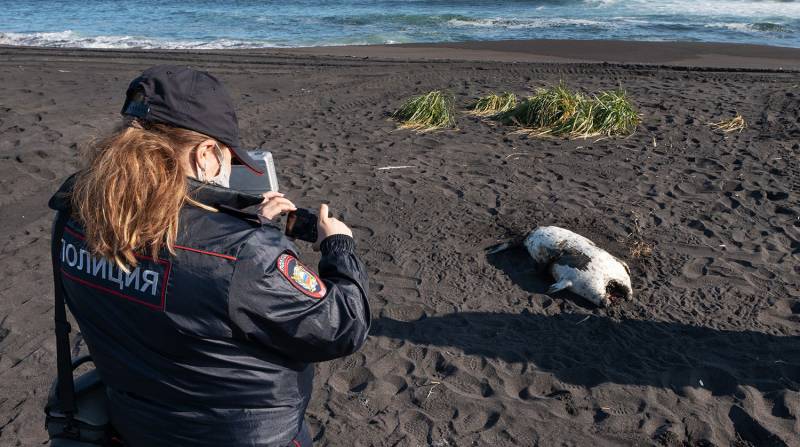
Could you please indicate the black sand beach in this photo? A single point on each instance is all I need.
(466, 349)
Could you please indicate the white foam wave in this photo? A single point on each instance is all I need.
(745, 9)
(70, 39)
(759, 27)
(499, 22)
(742, 27)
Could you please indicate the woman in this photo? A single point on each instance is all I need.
(199, 316)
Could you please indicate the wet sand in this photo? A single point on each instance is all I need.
(696, 55)
(466, 349)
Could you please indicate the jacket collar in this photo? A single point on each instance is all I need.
(218, 196)
(205, 193)
(61, 199)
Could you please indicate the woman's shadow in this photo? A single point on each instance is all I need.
(599, 349)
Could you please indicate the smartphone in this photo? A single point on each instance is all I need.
(302, 224)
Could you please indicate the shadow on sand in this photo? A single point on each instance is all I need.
(518, 265)
(598, 350)
(592, 351)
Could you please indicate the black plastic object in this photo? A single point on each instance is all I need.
(302, 224)
(90, 424)
(76, 412)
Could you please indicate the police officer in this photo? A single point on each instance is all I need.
(200, 317)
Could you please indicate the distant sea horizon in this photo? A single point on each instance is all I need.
(204, 24)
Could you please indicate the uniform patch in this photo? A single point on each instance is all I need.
(301, 278)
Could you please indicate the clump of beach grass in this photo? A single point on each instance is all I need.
(613, 114)
(431, 111)
(494, 103)
(735, 124)
(547, 111)
(560, 111)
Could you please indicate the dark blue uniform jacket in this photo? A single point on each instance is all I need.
(213, 346)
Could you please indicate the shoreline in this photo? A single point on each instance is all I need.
(678, 54)
(710, 340)
(688, 55)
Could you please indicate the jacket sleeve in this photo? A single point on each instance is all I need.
(279, 303)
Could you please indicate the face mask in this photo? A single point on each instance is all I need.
(223, 178)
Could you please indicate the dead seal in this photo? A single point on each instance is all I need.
(578, 265)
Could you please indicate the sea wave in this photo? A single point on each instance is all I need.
(786, 9)
(71, 39)
(759, 27)
(514, 23)
(394, 19)
(188, 24)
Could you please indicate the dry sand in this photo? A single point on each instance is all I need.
(466, 349)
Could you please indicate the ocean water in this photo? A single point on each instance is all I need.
(271, 23)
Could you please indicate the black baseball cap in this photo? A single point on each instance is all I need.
(191, 99)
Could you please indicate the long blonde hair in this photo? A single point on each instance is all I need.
(129, 196)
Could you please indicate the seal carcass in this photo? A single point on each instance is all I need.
(580, 266)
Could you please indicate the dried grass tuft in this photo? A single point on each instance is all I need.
(640, 249)
(431, 111)
(494, 103)
(735, 124)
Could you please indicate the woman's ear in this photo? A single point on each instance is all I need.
(205, 158)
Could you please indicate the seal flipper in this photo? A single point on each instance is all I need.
(498, 248)
(559, 286)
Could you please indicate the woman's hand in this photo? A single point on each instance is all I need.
(328, 226)
(275, 204)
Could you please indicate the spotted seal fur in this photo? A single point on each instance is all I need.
(578, 265)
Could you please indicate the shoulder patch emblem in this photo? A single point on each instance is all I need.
(300, 277)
